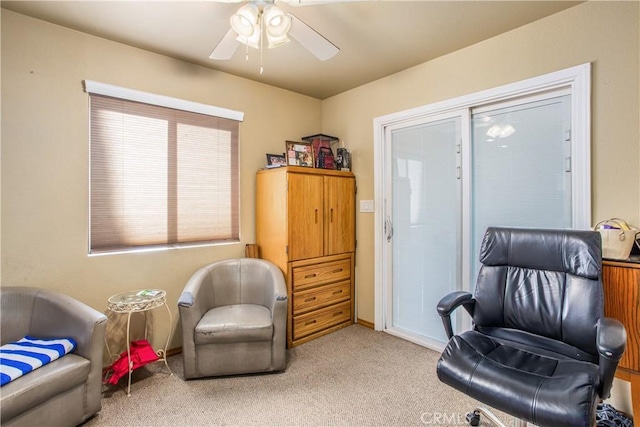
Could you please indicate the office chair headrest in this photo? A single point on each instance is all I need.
(577, 252)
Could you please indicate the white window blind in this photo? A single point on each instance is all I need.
(161, 176)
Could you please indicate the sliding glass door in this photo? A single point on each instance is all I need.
(451, 176)
(517, 155)
(424, 224)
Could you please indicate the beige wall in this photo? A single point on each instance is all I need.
(45, 135)
(45, 144)
(603, 33)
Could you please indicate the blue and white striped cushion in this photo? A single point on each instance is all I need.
(27, 354)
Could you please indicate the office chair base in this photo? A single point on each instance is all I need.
(473, 418)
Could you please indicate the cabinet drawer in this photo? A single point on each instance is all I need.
(322, 296)
(314, 321)
(311, 275)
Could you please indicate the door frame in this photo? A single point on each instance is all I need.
(577, 79)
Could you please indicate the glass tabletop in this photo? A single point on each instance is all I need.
(138, 300)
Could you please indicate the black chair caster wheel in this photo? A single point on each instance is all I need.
(473, 418)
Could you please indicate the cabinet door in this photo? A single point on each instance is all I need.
(340, 218)
(305, 216)
(622, 302)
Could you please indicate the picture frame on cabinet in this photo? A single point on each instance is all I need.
(276, 160)
(343, 159)
(299, 154)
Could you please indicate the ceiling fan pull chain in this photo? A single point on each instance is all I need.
(261, 41)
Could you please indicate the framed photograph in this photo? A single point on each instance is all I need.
(343, 159)
(299, 154)
(276, 160)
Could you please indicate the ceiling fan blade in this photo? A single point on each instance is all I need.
(227, 46)
(313, 41)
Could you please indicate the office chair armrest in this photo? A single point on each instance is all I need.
(449, 303)
(453, 300)
(611, 341)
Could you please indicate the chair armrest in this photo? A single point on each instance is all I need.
(278, 290)
(453, 300)
(196, 299)
(57, 315)
(611, 341)
(449, 303)
(197, 293)
(277, 301)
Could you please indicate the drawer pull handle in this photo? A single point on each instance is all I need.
(310, 276)
(310, 299)
(337, 314)
(310, 322)
(337, 292)
(337, 270)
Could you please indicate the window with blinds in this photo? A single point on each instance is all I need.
(161, 177)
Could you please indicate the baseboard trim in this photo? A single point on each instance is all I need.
(174, 351)
(365, 323)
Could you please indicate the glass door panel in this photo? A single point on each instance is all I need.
(521, 167)
(425, 162)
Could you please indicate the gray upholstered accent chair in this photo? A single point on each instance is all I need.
(234, 316)
(66, 391)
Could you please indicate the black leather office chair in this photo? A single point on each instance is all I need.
(540, 348)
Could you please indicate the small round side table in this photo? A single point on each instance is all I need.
(140, 301)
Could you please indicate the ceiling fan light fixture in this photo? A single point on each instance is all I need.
(277, 41)
(245, 20)
(261, 22)
(277, 22)
(253, 40)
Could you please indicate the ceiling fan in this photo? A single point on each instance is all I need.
(258, 20)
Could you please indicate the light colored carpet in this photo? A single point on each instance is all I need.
(352, 377)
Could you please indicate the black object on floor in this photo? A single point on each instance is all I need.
(608, 416)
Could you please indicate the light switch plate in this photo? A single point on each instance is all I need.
(366, 205)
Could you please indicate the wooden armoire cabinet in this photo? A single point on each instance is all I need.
(305, 224)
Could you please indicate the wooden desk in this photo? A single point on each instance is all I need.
(621, 280)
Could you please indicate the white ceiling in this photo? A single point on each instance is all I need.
(376, 38)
